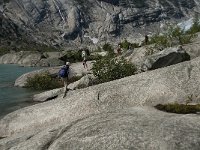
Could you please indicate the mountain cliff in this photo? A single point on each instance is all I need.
(69, 23)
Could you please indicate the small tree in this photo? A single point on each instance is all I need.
(125, 44)
(108, 69)
(109, 48)
(195, 26)
(43, 81)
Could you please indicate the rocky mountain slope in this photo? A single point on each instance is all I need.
(68, 23)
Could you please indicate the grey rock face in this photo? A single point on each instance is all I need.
(48, 95)
(138, 55)
(23, 58)
(68, 23)
(165, 58)
(84, 82)
(167, 85)
(140, 128)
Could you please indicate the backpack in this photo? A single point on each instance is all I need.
(87, 52)
(63, 72)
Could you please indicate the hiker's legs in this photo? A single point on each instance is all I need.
(86, 64)
(65, 86)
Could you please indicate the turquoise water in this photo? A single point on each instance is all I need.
(13, 98)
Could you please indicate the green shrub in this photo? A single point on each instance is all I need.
(98, 49)
(75, 56)
(178, 36)
(95, 57)
(108, 69)
(72, 56)
(195, 27)
(126, 45)
(179, 108)
(159, 40)
(173, 36)
(43, 81)
(109, 48)
(4, 50)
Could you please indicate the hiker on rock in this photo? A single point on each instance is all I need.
(85, 53)
(64, 75)
(146, 39)
(119, 50)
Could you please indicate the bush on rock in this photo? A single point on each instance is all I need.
(108, 69)
(179, 108)
(43, 81)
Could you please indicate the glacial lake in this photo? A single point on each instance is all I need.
(13, 98)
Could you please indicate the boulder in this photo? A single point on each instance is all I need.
(84, 82)
(48, 95)
(166, 85)
(193, 49)
(149, 58)
(167, 57)
(138, 55)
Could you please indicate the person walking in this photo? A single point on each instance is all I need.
(119, 50)
(146, 39)
(84, 56)
(64, 75)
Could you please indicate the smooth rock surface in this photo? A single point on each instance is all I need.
(193, 49)
(138, 55)
(48, 95)
(84, 82)
(170, 84)
(140, 128)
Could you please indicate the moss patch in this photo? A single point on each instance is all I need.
(179, 108)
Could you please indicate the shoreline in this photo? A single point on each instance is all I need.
(12, 97)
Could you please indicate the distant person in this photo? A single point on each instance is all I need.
(85, 53)
(119, 50)
(146, 39)
(64, 74)
(180, 48)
